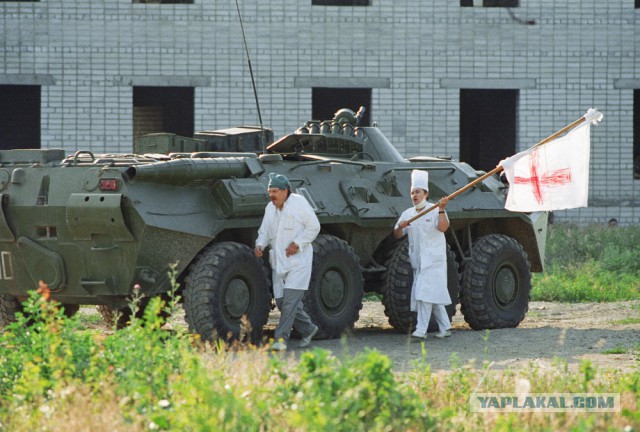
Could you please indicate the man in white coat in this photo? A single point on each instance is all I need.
(289, 226)
(428, 256)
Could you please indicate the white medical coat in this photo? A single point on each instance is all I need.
(428, 256)
(296, 223)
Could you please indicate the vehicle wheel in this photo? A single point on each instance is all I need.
(225, 283)
(496, 284)
(110, 314)
(9, 305)
(334, 298)
(70, 309)
(397, 289)
(123, 315)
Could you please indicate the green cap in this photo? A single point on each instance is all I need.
(278, 181)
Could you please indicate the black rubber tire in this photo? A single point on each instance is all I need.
(123, 315)
(496, 284)
(225, 283)
(110, 314)
(70, 309)
(334, 298)
(397, 289)
(9, 305)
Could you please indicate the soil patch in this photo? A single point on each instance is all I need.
(607, 334)
(567, 331)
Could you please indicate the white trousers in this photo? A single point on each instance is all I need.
(424, 315)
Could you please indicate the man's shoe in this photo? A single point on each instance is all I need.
(279, 346)
(305, 341)
(444, 334)
(417, 334)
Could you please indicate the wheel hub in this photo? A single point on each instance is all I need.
(236, 298)
(333, 290)
(505, 287)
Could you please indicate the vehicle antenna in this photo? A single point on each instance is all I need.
(253, 82)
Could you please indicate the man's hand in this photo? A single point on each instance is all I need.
(258, 251)
(442, 204)
(397, 233)
(292, 249)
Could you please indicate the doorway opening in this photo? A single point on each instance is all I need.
(488, 120)
(163, 109)
(19, 117)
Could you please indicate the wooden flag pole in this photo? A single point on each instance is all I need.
(497, 169)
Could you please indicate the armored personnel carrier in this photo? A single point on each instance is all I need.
(94, 226)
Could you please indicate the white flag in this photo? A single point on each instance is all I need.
(552, 176)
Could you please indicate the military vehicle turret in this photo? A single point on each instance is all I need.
(94, 226)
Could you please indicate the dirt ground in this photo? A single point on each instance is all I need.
(571, 332)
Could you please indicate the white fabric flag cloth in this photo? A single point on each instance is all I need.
(552, 176)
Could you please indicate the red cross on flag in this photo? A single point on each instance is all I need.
(552, 176)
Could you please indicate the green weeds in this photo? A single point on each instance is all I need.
(569, 244)
(155, 379)
(357, 394)
(618, 349)
(590, 264)
(627, 321)
(54, 375)
(372, 297)
(41, 350)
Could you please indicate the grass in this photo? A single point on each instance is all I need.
(590, 264)
(57, 376)
(372, 297)
(627, 321)
(90, 319)
(158, 380)
(618, 349)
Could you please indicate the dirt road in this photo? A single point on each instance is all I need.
(571, 332)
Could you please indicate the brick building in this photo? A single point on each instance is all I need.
(473, 79)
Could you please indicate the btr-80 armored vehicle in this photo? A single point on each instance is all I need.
(94, 226)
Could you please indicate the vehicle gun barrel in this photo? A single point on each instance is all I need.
(184, 171)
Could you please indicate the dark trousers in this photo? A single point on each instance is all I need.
(292, 314)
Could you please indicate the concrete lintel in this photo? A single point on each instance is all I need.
(162, 81)
(626, 83)
(27, 79)
(341, 82)
(488, 83)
